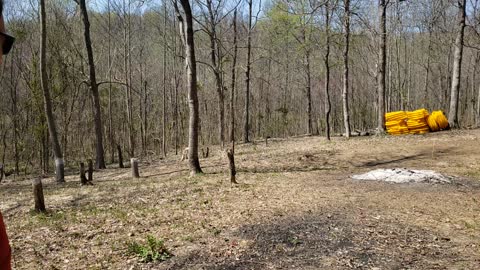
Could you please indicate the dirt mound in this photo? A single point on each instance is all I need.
(403, 176)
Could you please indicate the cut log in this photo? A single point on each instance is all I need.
(231, 162)
(38, 196)
(134, 165)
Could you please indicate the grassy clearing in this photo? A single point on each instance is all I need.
(295, 208)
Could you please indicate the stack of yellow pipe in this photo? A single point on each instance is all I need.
(395, 123)
(437, 121)
(416, 122)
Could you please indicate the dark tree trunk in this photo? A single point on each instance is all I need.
(234, 74)
(309, 95)
(326, 59)
(120, 156)
(231, 163)
(83, 179)
(246, 127)
(100, 157)
(382, 10)
(90, 171)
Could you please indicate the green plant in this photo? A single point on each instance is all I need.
(294, 241)
(154, 250)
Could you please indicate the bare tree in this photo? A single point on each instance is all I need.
(164, 75)
(187, 34)
(100, 159)
(234, 74)
(457, 65)
(382, 60)
(346, 26)
(110, 111)
(214, 18)
(52, 128)
(246, 127)
(326, 60)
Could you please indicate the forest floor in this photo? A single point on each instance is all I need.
(296, 207)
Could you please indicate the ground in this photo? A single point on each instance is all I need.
(296, 207)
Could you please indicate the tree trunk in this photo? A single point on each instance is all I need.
(164, 110)
(308, 86)
(83, 178)
(346, 113)
(90, 171)
(100, 158)
(231, 163)
(234, 74)
(326, 59)
(246, 127)
(382, 10)
(110, 111)
(52, 128)
(216, 59)
(176, 85)
(457, 66)
(128, 87)
(427, 71)
(120, 156)
(186, 25)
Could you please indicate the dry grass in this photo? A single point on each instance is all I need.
(295, 208)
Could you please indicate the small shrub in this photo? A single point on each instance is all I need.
(153, 250)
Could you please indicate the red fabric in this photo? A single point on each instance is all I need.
(5, 253)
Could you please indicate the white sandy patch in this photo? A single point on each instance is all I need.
(403, 176)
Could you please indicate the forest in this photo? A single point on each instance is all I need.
(274, 69)
(240, 134)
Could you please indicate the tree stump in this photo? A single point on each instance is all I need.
(231, 162)
(90, 171)
(120, 157)
(206, 152)
(134, 165)
(83, 179)
(184, 154)
(38, 196)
